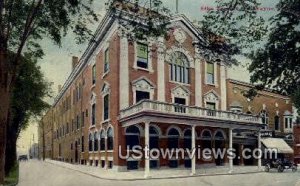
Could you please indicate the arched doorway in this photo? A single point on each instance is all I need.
(153, 144)
(132, 135)
(173, 143)
(206, 141)
(188, 147)
(219, 146)
(76, 152)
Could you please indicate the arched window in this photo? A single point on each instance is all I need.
(276, 122)
(153, 144)
(173, 138)
(91, 142)
(206, 137)
(132, 136)
(187, 145)
(264, 117)
(110, 139)
(188, 139)
(102, 140)
(154, 136)
(96, 141)
(219, 145)
(173, 141)
(179, 68)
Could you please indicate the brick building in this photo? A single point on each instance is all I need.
(296, 132)
(159, 93)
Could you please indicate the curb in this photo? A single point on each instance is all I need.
(157, 178)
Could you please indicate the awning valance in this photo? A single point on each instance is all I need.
(277, 143)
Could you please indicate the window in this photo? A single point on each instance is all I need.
(103, 163)
(82, 119)
(276, 122)
(106, 107)
(142, 55)
(188, 139)
(82, 143)
(110, 164)
(141, 95)
(96, 141)
(179, 68)
(132, 136)
(106, 60)
(102, 141)
(94, 74)
(93, 114)
(264, 117)
(173, 142)
(77, 122)
(91, 143)
(288, 122)
(210, 73)
(179, 105)
(110, 139)
(211, 108)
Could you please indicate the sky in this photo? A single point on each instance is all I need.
(56, 64)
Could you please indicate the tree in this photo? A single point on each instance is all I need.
(22, 25)
(27, 101)
(274, 50)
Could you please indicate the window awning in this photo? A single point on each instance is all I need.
(277, 143)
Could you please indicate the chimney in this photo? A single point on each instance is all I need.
(74, 62)
(59, 88)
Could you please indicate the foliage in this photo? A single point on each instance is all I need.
(28, 94)
(25, 23)
(141, 18)
(237, 21)
(13, 177)
(274, 50)
(277, 64)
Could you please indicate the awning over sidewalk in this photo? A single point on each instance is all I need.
(277, 143)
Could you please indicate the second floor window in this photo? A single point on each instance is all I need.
(277, 124)
(142, 95)
(94, 74)
(106, 107)
(142, 55)
(179, 68)
(106, 60)
(210, 73)
(93, 114)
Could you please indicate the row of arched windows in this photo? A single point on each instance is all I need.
(97, 140)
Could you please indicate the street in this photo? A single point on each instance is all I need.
(38, 173)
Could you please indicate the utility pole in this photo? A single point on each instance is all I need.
(43, 141)
(177, 7)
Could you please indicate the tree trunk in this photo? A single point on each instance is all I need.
(11, 150)
(4, 107)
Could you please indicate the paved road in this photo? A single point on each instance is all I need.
(35, 173)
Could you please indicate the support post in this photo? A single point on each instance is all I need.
(147, 158)
(259, 147)
(194, 150)
(230, 148)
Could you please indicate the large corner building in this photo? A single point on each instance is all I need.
(160, 93)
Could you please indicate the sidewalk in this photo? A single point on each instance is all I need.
(155, 174)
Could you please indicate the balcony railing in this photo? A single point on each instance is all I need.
(177, 109)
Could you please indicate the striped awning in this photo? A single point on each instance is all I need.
(277, 143)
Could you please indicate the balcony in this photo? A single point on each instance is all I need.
(155, 108)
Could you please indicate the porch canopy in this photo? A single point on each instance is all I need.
(277, 143)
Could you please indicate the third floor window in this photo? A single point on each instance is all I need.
(106, 60)
(142, 55)
(179, 68)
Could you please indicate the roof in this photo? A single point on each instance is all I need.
(277, 143)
